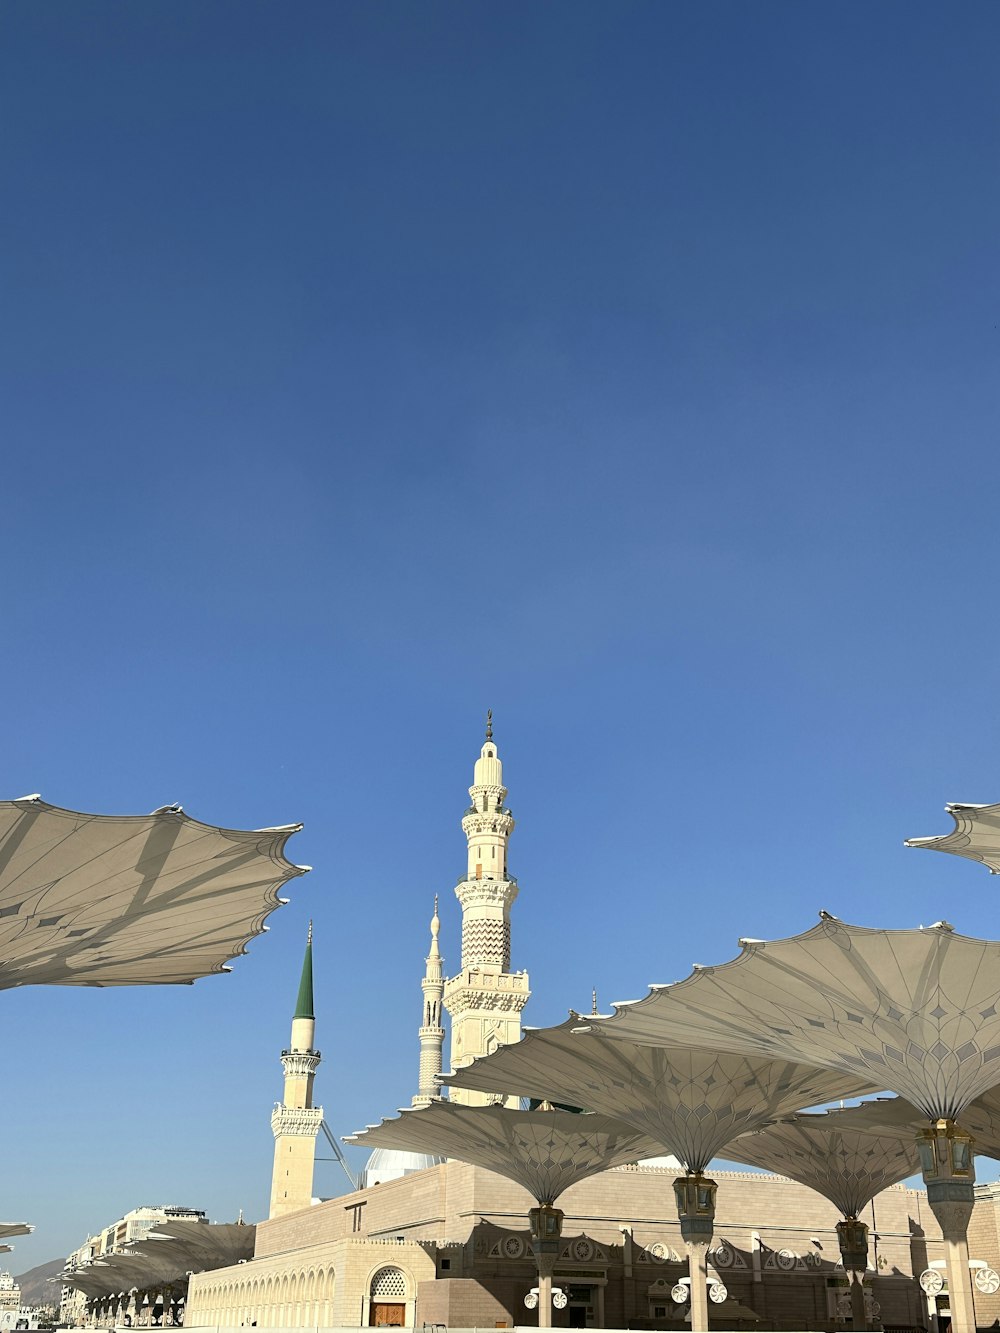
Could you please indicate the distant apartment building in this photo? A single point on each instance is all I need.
(10, 1293)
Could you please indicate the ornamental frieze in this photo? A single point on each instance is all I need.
(298, 1121)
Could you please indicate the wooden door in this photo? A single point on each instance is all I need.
(387, 1314)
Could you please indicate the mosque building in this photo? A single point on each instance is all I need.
(425, 1240)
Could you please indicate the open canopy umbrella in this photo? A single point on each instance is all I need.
(895, 1115)
(109, 900)
(915, 1011)
(835, 1154)
(546, 1151)
(690, 1101)
(166, 1256)
(976, 835)
(13, 1229)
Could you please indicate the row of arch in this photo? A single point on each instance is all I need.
(281, 1300)
(285, 1300)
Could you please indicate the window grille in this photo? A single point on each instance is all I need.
(389, 1284)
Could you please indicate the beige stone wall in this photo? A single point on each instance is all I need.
(325, 1285)
(463, 1303)
(466, 1258)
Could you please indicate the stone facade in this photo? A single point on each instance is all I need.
(458, 1237)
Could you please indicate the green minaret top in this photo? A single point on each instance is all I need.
(304, 1004)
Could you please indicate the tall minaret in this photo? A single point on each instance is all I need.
(431, 1031)
(296, 1121)
(485, 999)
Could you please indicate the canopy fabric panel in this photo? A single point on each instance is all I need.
(915, 1012)
(109, 900)
(691, 1102)
(980, 1118)
(545, 1151)
(976, 835)
(15, 1229)
(164, 1257)
(830, 1154)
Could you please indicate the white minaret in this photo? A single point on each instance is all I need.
(431, 1031)
(295, 1120)
(485, 999)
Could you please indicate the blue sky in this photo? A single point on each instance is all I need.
(630, 368)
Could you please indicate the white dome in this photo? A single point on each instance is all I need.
(392, 1164)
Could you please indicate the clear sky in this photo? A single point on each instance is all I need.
(631, 368)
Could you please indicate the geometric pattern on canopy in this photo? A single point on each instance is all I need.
(176, 1249)
(831, 1155)
(545, 1151)
(109, 900)
(915, 1012)
(976, 835)
(980, 1118)
(690, 1102)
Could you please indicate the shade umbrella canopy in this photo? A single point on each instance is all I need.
(915, 1012)
(976, 835)
(109, 900)
(545, 1151)
(94, 1279)
(690, 1102)
(831, 1154)
(165, 1256)
(8, 1229)
(204, 1246)
(980, 1118)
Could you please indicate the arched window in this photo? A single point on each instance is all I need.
(388, 1284)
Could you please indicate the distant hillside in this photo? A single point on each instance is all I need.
(35, 1286)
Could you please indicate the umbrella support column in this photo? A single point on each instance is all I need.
(960, 1298)
(695, 1195)
(858, 1318)
(949, 1173)
(546, 1263)
(698, 1270)
(853, 1238)
(546, 1228)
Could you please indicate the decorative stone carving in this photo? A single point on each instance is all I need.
(299, 1121)
(299, 1064)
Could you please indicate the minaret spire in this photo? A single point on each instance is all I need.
(485, 999)
(431, 1031)
(295, 1120)
(304, 1007)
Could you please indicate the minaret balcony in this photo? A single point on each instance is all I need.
(472, 878)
